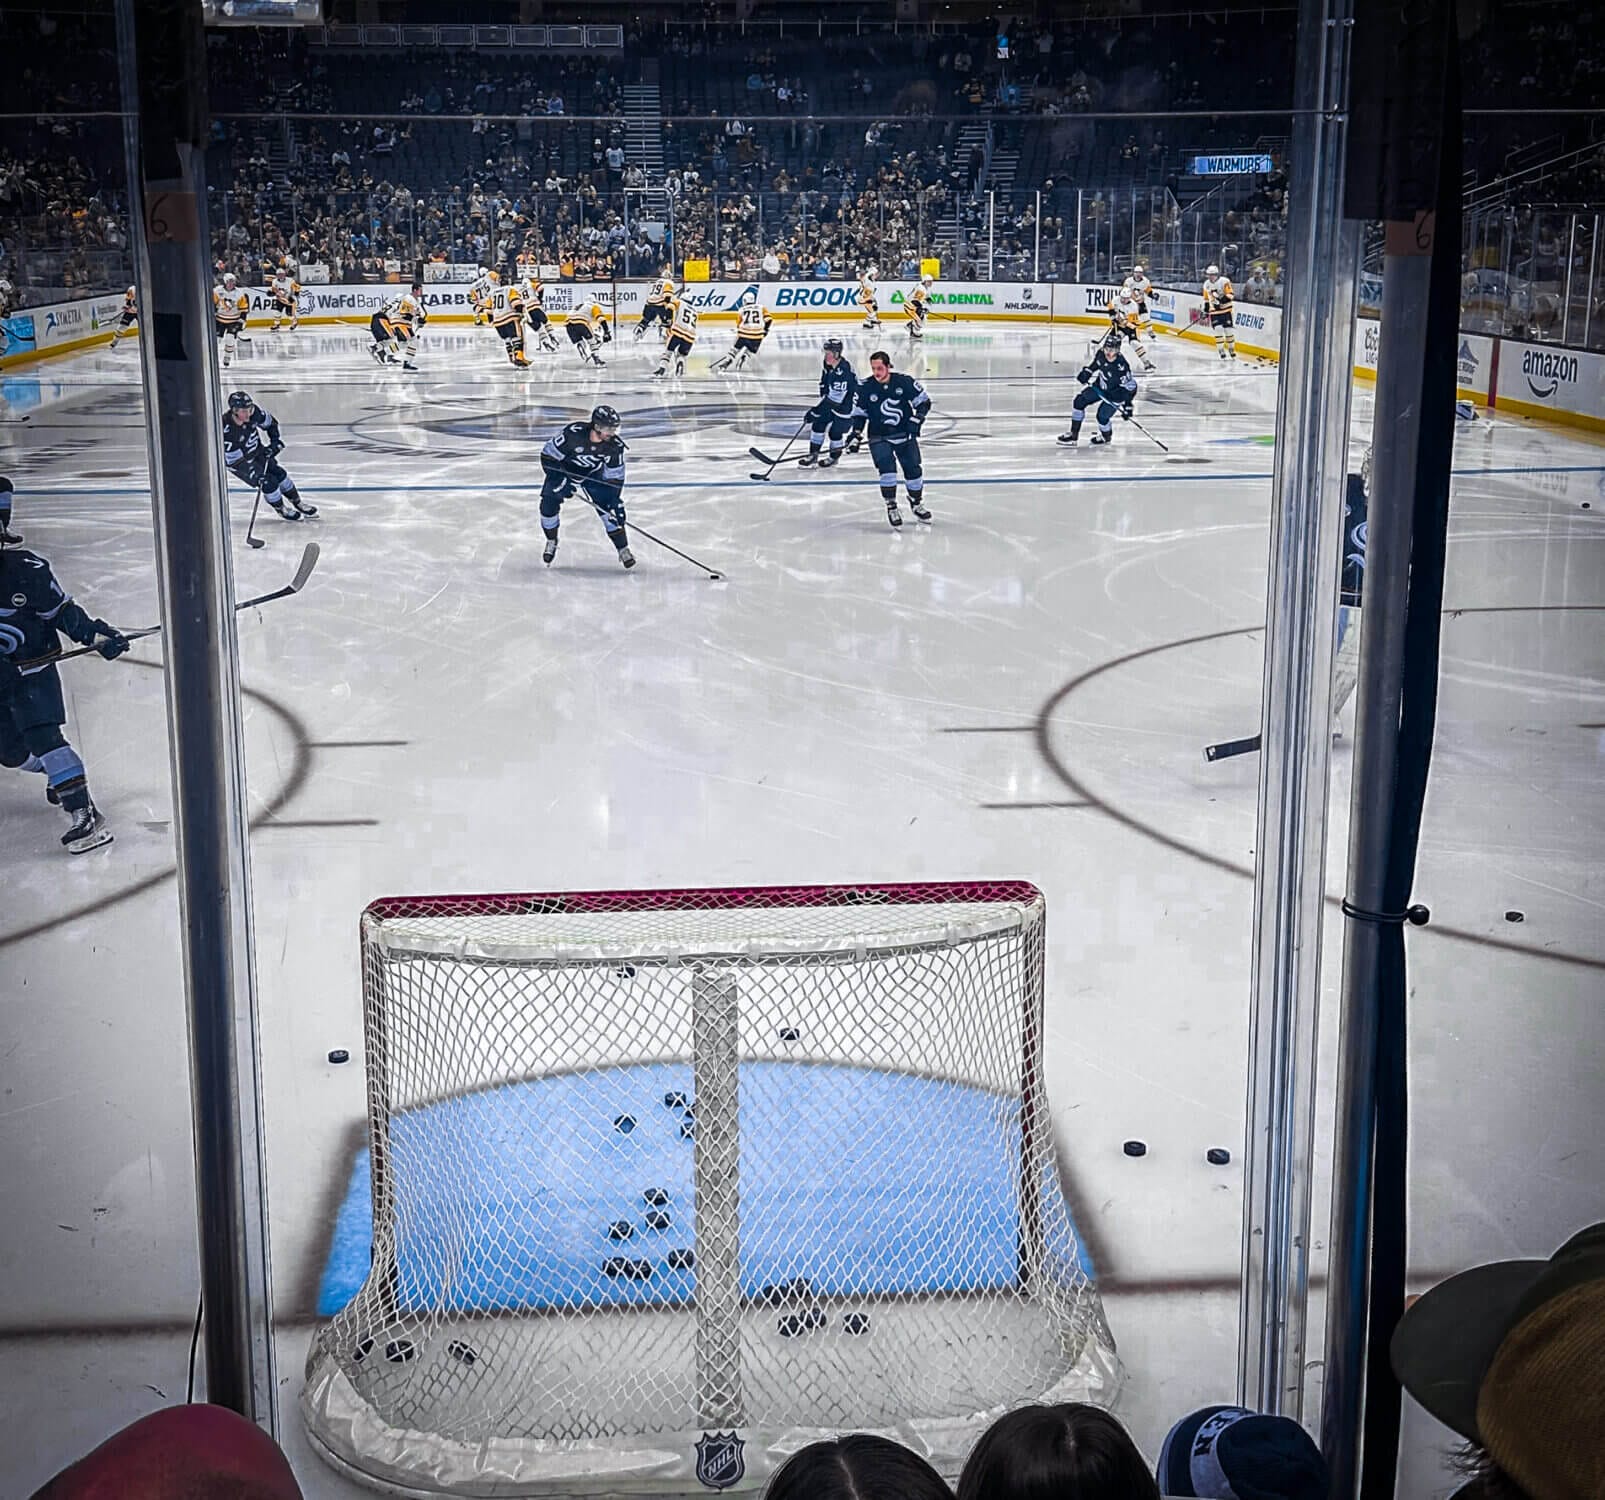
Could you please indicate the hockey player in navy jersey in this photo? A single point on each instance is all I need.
(251, 447)
(588, 456)
(835, 411)
(896, 406)
(1108, 384)
(6, 533)
(35, 611)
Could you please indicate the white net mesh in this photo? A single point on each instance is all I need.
(645, 1169)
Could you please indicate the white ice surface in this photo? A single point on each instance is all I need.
(1021, 690)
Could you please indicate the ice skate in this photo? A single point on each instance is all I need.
(894, 517)
(1102, 439)
(88, 831)
(626, 557)
(809, 460)
(918, 507)
(830, 460)
(1069, 439)
(549, 551)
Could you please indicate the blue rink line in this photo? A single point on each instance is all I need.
(866, 1183)
(1192, 477)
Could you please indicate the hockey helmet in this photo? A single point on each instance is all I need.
(418, 287)
(1138, 271)
(1111, 343)
(6, 487)
(833, 346)
(1212, 270)
(604, 419)
(240, 401)
(927, 279)
(228, 281)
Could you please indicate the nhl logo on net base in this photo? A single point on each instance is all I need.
(720, 1463)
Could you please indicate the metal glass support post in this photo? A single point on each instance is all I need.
(991, 230)
(1566, 303)
(1289, 874)
(1036, 249)
(1078, 234)
(162, 60)
(1593, 270)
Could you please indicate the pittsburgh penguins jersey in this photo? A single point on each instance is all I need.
(130, 302)
(531, 290)
(571, 451)
(660, 293)
(753, 322)
(1110, 378)
(1137, 287)
(589, 315)
(1125, 314)
(896, 408)
(285, 288)
(407, 310)
(480, 288)
(248, 445)
(1218, 294)
(33, 609)
(866, 288)
(506, 304)
(229, 306)
(838, 388)
(685, 322)
(919, 296)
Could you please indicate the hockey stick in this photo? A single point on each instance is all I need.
(1228, 748)
(309, 560)
(774, 463)
(251, 538)
(714, 576)
(1147, 434)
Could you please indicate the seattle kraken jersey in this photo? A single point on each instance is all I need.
(838, 386)
(33, 608)
(1110, 378)
(572, 452)
(1355, 507)
(896, 408)
(248, 447)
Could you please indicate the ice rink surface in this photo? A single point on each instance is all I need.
(1021, 689)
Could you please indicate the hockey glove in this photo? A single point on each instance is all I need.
(1085, 375)
(814, 413)
(112, 642)
(1126, 411)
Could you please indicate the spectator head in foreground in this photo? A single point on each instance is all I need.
(1068, 1452)
(1229, 1453)
(180, 1453)
(1512, 1357)
(857, 1467)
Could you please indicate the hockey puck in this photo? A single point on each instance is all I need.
(1515, 916)
(688, 1129)
(681, 1260)
(1135, 1148)
(655, 1197)
(621, 1229)
(659, 1218)
(629, 1270)
(674, 1099)
(399, 1351)
(339, 1055)
(625, 971)
(790, 1034)
(856, 1322)
(1217, 1156)
(464, 1354)
(624, 1124)
(363, 1349)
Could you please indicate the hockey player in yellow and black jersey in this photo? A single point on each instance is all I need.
(479, 292)
(285, 289)
(919, 307)
(682, 335)
(506, 312)
(660, 300)
(127, 318)
(534, 295)
(395, 328)
(1219, 299)
(229, 307)
(589, 327)
(753, 322)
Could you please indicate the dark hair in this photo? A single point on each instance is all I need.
(881, 354)
(857, 1467)
(1069, 1452)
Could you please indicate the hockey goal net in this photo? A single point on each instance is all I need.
(660, 1185)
